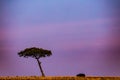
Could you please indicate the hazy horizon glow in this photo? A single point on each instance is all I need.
(83, 35)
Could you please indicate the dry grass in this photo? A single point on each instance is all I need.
(56, 78)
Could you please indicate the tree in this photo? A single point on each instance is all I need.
(36, 53)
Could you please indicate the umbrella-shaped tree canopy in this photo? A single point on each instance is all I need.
(36, 53)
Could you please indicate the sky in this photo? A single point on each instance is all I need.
(83, 35)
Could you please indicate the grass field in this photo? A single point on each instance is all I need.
(56, 78)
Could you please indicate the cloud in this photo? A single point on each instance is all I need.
(59, 28)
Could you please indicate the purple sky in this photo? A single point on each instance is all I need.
(83, 35)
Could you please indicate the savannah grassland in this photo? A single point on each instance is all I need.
(56, 78)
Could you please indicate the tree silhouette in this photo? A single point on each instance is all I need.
(36, 53)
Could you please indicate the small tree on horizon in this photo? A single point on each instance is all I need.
(36, 53)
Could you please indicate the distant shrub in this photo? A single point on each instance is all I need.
(80, 75)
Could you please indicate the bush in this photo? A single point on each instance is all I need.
(80, 75)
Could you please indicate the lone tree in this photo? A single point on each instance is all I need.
(36, 53)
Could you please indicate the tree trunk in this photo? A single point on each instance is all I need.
(41, 70)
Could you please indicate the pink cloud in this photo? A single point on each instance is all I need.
(54, 28)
